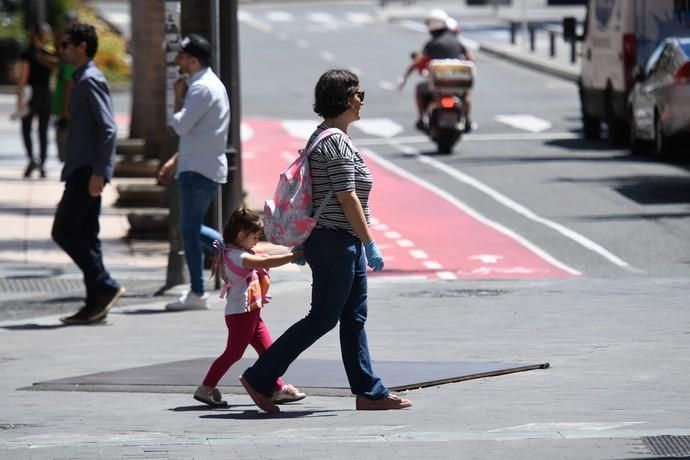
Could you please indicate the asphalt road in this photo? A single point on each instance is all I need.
(595, 208)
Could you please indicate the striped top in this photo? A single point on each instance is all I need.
(337, 165)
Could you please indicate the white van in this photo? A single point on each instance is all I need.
(619, 36)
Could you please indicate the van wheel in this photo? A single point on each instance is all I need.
(590, 126)
(617, 129)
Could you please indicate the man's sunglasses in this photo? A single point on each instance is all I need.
(65, 43)
(360, 94)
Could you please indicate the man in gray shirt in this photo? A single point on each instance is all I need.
(201, 118)
(89, 158)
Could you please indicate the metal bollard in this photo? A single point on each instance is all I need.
(552, 44)
(532, 36)
(573, 51)
(513, 32)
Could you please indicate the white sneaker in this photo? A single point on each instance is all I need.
(189, 301)
(287, 394)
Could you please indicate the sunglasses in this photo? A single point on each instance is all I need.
(360, 94)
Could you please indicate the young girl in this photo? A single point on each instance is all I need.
(245, 276)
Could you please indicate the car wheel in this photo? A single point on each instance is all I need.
(661, 142)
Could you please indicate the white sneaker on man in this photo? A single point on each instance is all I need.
(189, 301)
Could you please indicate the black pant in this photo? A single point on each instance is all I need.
(75, 230)
(39, 106)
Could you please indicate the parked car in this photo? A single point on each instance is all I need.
(618, 36)
(660, 99)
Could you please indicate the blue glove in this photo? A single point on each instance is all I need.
(301, 260)
(374, 257)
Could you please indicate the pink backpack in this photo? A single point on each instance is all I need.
(288, 219)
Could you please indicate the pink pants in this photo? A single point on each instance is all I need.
(243, 330)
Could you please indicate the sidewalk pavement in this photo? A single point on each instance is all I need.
(618, 355)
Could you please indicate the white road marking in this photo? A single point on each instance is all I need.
(527, 213)
(248, 19)
(279, 16)
(392, 235)
(357, 71)
(246, 132)
(487, 258)
(405, 243)
(359, 18)
(566, 426)
(381, 227)
(384, 127)
(523, 121)
(470, 211)
(326, 56)
(321, 18)
(432, 265)
(418, 254)
(444, 275)
(288, 156)
(300, 129)
(302, 44)
(388, 86)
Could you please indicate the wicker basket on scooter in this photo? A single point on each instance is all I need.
(453, 75)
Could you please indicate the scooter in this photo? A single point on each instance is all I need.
(445, 115)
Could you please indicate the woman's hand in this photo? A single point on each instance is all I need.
(374, 257)
(298, 255)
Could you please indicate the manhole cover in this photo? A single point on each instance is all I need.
(39, 284)
(461, 293)
(668, 446)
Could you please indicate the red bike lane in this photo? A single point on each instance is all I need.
(422, 231)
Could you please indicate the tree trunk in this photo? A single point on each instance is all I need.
(148, 76)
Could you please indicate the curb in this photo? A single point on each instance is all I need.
(535, 63)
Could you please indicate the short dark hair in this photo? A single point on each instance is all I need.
(80, 32)
(241, 220)
(332, 92)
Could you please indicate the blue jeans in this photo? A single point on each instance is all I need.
(75, 230)
(196, 195)
(339, 293)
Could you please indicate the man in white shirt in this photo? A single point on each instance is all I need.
(201, 118)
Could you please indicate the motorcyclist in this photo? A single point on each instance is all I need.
(444, 44)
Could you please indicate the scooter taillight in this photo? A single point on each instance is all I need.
(447, 102)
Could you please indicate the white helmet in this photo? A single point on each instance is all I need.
(452, 25)
(436, 20)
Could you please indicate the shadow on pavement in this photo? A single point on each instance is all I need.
(258, 415)
(35, 327)
(645, 190)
